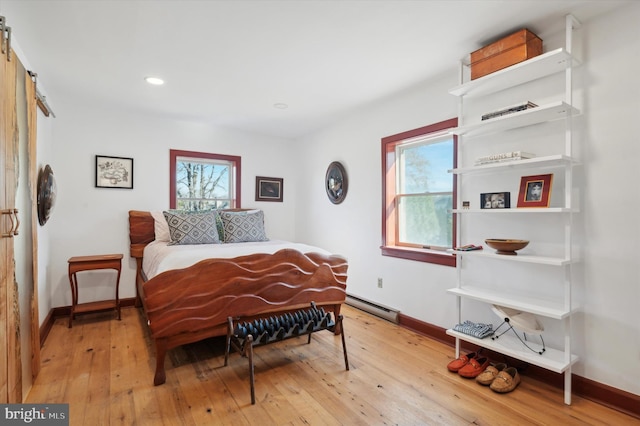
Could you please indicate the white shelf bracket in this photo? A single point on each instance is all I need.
(571, 23)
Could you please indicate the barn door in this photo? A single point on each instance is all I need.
(10, 359)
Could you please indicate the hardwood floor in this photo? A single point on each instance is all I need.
(104, 369)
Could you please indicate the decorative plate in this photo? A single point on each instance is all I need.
(336, 182)
(46, 194)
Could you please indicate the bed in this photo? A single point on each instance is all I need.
(185, 304)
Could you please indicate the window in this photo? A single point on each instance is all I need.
(201, 181)
(418, 193)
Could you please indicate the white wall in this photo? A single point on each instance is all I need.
(607, 333)
(88, 220)
(353, 228)
(44, 155)
(610, 328)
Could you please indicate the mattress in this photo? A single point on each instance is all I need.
(160, 257)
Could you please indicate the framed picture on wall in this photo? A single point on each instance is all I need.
(114, 172)
(268, 188)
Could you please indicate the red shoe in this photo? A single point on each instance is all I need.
(474, 367)
(457, 364)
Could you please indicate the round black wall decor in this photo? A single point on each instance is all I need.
(46, 194)
(336, 182)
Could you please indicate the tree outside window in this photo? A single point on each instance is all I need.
(203, 181)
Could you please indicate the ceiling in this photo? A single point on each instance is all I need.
(229, 62)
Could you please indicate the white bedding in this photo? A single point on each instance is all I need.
(160, 257)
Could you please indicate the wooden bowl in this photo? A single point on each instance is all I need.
(508, 247)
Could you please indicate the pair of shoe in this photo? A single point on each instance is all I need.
(499, 378)
(469, 365)
(490, 373)
(455, 365)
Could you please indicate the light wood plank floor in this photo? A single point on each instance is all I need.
(104, 369)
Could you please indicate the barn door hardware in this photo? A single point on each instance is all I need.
(41, 100)
(3, 21)
(6, 41)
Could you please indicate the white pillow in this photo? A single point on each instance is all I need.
(160, 226)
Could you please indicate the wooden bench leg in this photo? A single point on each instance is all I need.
(344, 346)
(249, 347)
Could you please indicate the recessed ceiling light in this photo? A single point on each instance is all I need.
(280, 106)
(154, 80)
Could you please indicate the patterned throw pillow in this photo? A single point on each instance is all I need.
(192, 228)
(219, 225)
(240, 227)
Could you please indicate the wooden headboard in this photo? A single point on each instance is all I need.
(141, 231)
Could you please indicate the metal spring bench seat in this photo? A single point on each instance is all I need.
(243, 336)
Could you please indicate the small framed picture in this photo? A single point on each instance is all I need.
(114, 172)
(535, 191)
(495, 200)
(268, 189)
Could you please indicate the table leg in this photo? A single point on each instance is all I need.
(118, 292)
(73, 281)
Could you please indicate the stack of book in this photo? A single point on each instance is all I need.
(509, 110)
(505, 156)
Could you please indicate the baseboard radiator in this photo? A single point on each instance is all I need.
(376, 309)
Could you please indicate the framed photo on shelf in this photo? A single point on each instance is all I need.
(535, 191)
(269, 189)
(114, 172)
(495, 200)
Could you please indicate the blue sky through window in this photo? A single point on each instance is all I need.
(430, 174)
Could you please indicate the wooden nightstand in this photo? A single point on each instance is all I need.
(88, 263)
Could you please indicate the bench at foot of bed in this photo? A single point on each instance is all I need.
(243, 335)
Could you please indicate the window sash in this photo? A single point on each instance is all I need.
(405, 147)
(411, 229)
(218, 169)
(210, 197)
(202, 204)
(422, 222)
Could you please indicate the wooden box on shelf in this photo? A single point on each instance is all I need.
(510, 50)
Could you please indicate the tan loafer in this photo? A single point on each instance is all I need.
(506, 380)
(491, 372)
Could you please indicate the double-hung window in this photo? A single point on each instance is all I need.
(419, 193)
(203, 181)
